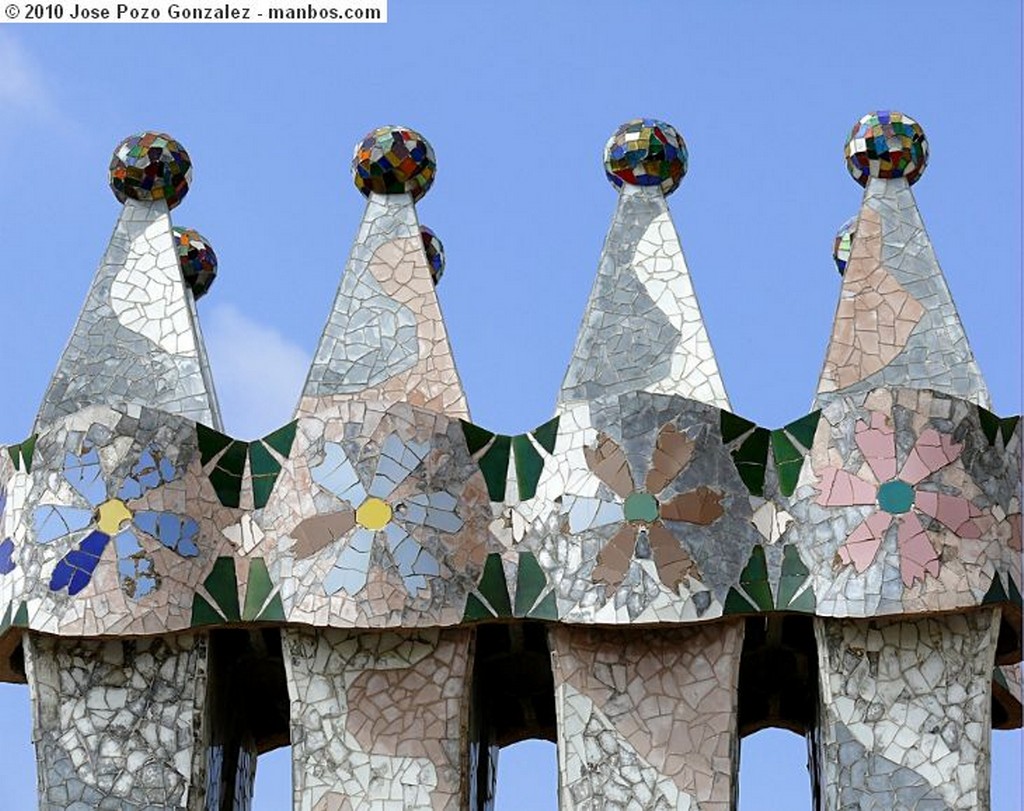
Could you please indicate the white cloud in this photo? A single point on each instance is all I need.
(21, 82)
(258, 373)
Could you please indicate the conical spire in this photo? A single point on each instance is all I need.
(896, 324)
(385, 341)
(643, 329)
(137, 339)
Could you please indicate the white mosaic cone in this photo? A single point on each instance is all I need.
(642, 329)
(896, 324)
(385, 340)
(137, 340)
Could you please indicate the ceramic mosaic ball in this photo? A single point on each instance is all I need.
(394, 160)
(887, 145)
(150, 166)
(646, 152)
(197, 259)
(435, 253)
(843, 244)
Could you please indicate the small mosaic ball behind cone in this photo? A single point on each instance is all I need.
(434, 249)
(197, 260)
(150, 166)
(843, 244)
(646, 152)
(887, 145)
(394, 160)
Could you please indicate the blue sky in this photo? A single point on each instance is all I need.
(517, 102)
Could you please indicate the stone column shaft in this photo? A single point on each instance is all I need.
(379, 719)
(118, 724)
(647, 718)
(905, 712)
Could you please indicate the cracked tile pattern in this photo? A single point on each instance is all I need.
(385, 341)
(136, 340)
(118, 724)
(377, 719)
(905, 504)
(642, 330)
(896, 324)
(905, 711)
(647, 718)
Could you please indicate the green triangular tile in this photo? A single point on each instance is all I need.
(805, 602)
(476, 610)
(494, 465)
(733, 427)
(227, 486)
(262, 461)
(232, 461)
(530, 582)
(803, 429)
(493, 586)
(274, 612)
(792, 564)
(5, 623)
(756, 568)
(20, 619)
(788, 461)
(1007, 425)
(754, 580)
(210, 442)
(751, 459)
(281, 440)
(14, 452)
(547, 434)
(736, 603)
(257, 589)
(28, 449)
(1013, 592)
(222, 584)
(989, 424)
(476, 437)
(547, 609)
(203, 613)
(996, 593)
(263, 468)
(529, 466)
(999, 678)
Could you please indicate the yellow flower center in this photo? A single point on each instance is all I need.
(374, 513)
(112, 515)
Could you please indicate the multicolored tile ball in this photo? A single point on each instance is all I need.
(843, 244)
(394, 160)
(197, 259)
(435, 253)
(646, 152)
(150, 166)
(887, 145)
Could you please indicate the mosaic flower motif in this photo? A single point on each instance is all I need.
(7, 564)
(898, 499)
(108, 517)
(642, 512)
(389, 509)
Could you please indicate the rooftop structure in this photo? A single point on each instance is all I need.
(398, 591)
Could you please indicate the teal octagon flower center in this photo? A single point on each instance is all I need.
(896, 497)
(641, 507)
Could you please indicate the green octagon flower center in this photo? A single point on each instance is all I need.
(641, 508)
(896, 497)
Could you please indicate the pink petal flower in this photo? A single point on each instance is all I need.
(841, 489)
(954, 512)
(917, 555)
(932, 452)
(862, 544)
(878, 444)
